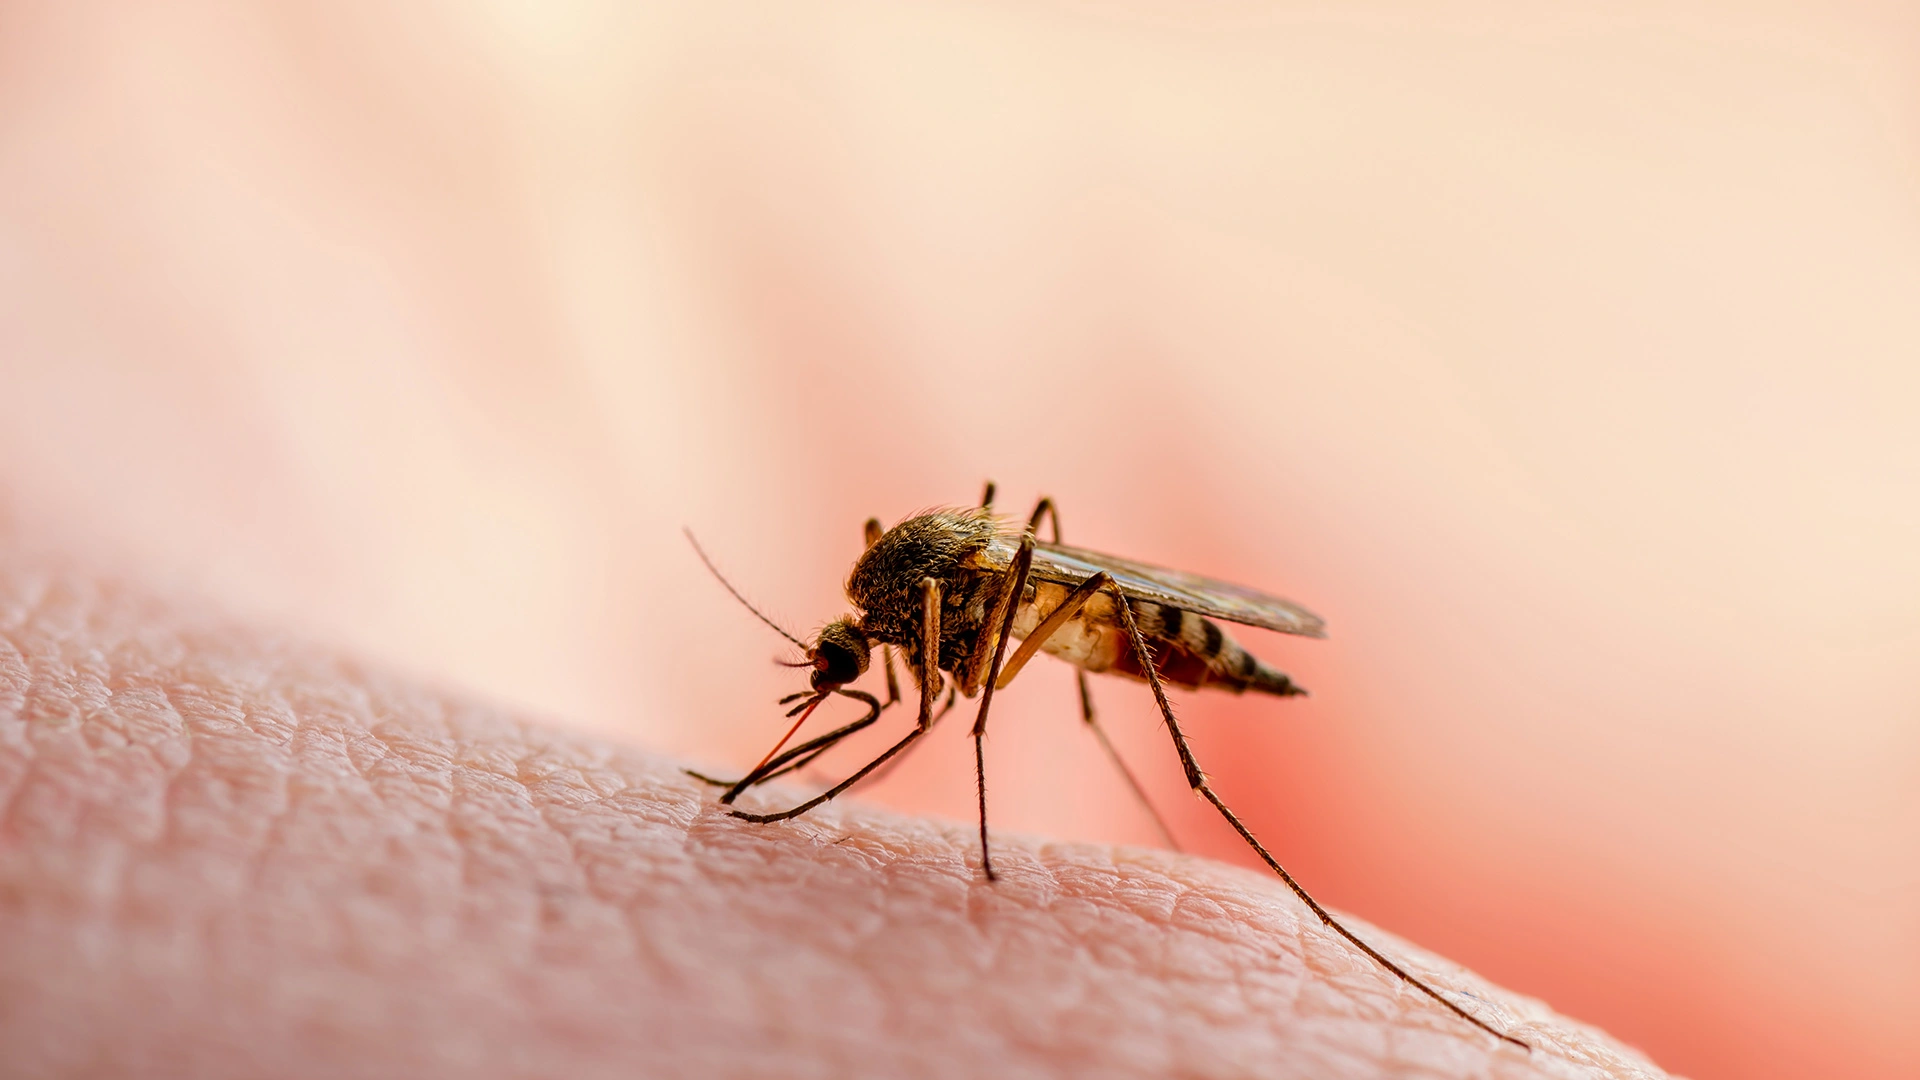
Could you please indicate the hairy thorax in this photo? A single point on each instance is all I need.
(886, 583)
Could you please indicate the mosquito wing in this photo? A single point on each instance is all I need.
(1175, 588)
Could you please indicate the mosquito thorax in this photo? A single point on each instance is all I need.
(840, 655)
(885, 583)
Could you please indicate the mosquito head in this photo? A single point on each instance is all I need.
(839, 656)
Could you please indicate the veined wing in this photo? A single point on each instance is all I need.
(1176, 588)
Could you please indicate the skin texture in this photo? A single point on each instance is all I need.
(225, 853)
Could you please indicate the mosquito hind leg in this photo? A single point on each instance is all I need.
(1198, 781)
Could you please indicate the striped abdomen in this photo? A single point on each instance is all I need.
(1188, 650)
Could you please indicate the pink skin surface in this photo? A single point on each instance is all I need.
(225, 854)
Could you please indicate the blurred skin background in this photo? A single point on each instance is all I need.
(1562, 355)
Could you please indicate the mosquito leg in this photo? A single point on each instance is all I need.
(1016, 583)
(837, 788)
(782, 765)
(1198, 781)
(792, 767)
(929, 649)
(929, 689)
(803, 755)
(812, 747)
(1047, 508)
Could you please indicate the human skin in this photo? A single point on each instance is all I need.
(228, 853)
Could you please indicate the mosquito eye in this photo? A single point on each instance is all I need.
(834, 666)
(840, 655)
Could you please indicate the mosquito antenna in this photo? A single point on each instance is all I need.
(700, 551)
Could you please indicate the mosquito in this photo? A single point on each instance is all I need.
(951, 588)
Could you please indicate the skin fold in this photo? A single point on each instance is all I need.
(227, 853)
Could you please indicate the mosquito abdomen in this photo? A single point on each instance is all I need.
(1202, 643)
(1189, 650)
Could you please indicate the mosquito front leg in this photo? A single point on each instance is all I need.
(837, 788)
(929, 689)
(800, 756)
(1198, 781)
(929, 649)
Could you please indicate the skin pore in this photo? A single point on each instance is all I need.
(226, 853)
